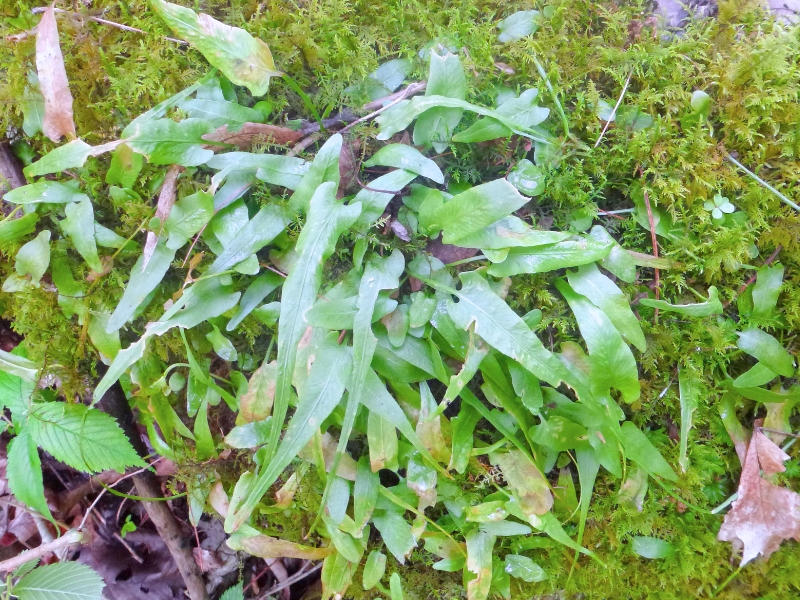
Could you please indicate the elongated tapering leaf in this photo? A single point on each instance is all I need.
(325, 167)
(505, 331)
(445, 78)
(612, 363)
(255, 294)
(286, 171)
(687, 387)
(605, 295)
(511, 232)
(166, 142)
(569, 253)
(79, 226)
(406, 157)
(327, 220)
(712, 306)
(220, 113)
(373, 202)
(766, 349)
(257, 233)
(243, 59)
(479, 564)
(52, 192)
(641, 451)
(321, 393)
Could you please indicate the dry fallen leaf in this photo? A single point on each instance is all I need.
(53, 82)
(250, 133)
(764, 514)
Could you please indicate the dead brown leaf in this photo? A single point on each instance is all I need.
(448, 253)
(265, 546)
(166, 199)
(53, 82)
(256, 402)
(764, 514)
(251, 133)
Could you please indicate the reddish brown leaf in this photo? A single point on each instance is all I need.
(764, 514)
(254, 132)
(53, 80)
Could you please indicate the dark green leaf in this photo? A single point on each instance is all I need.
(569, 253)
(517, 26)
(712, 306)
(80, 227)
(766, 349)
(641, 451)
(24, 472)
(650, 547)
(256, 292)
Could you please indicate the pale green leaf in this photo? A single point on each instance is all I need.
(324, 168)
(517, 26)
(521, 111)
(84, 438)
(243, 59)
(569, 253)
(32, 109)
(259, 231)
(436, 125)
(285, 171)
(255, 293)
(606, 296)
(463, 427)
(220, 113)
(529, 487)
(766, 349)
(382, 442)
(373, 203)
(406, 157)
(24, 472)
(395, 587)
(166, 142)
(222, 345)
(479, 564)
(712, 306)
(319, 396)
(187, 216)
(141, 283)
(618, 261)
(125, 167)
(524, 568)
(249, 435)
(758, 375)
(767, 289)
(60, 581)
(80, 227)
(19, 366)
(395, 532)
(17, 228)
(70, 155)
(689, 401)
(34, 258)
(650, 547)
(374, 569)
(52, 192)
(527, 178)
(641, 451)
(511, 232)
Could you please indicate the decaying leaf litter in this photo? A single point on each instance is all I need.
(415, 395)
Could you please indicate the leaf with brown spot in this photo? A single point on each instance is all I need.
(249, 540)
(529, 486)
(764, 514)
(166, 198)
(53, 82)
(256, 402)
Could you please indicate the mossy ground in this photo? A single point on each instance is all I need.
(745, 61)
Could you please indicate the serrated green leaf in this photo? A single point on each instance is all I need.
(24, 472)
(605, 295)
(766, 349)
(188, 216)
(84, 438)
(166, 142)
(80, 227)
(319, 396)
(436, 125)
(52, 192)
(374, 569)
(569, 253)
(406, 157)
(60, 581)
(641, 451)
(712, 306)
(235, 592)
(243, 59)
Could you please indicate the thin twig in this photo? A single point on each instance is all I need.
(414, 88)
(292, 580)
(614, 112)
(654, 241)
(786, 433)
(402, 95)
(128, 547)
(105, 22)
(303, 144)
(783, 198)
(73, 536)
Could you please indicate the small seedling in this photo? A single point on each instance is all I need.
(719, 207)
